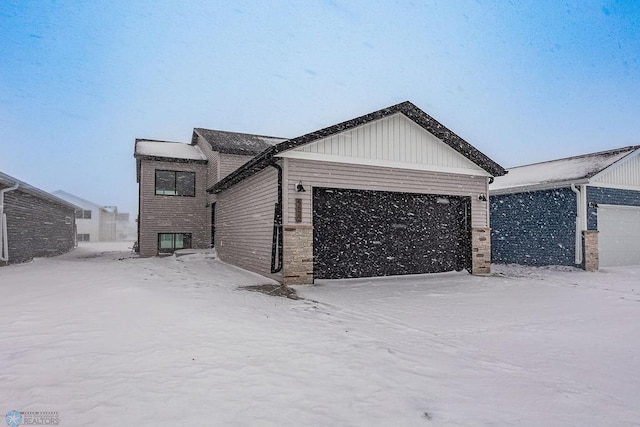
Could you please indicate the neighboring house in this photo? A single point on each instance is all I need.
(97, 223)
(391, 192)
(33, 223)
(579, 211)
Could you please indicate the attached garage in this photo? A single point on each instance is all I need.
(619, 236)
(360, 233)
(388, 193)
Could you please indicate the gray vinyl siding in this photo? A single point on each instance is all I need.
(364, 177)
(37, 227)
(231, 162)
(172, 214)
(244, 222)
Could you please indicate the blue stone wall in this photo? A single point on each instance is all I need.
(534, 228)
(608, 196)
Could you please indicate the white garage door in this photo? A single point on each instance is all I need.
(619, 237)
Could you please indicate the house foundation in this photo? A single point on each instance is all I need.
(297, 255)
(591, 255)
(480, 250)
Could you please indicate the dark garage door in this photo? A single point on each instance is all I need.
(373, 233)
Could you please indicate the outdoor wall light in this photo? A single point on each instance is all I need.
(482, 197)
(299, 187)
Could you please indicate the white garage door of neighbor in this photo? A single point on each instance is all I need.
(619, 237)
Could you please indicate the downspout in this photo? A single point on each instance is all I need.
(276, 243)
(580, 219)
(4, 238)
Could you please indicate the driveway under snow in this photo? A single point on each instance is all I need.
(104, 338)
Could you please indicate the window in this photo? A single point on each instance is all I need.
(169, 242)
(67, 220)
(84, 238)
(83, 214)
(175, 183)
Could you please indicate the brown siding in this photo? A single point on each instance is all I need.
(362, 177)
(244, 222)
(37, 227)
(214, 159)
(172, 214)
(231, 162)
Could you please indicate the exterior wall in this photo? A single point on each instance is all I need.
(298, 255)
(625, 174)
(481, 250)
(86, 226)
(213, 158)
(90, 226)
(245, 222)
(361, 177)
(37, 227)
(608, 196)
(534, 228)
(394, 141)
(172, 214)
(591, 256)
(108, 224)
(231, 162)
(365, 177)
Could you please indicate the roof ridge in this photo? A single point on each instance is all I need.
(242, 133)
(160, 140)
(580, 156)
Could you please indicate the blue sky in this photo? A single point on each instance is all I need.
(522, 81)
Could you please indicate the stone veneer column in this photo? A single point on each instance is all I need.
(591, 256)
(480, 250)
(297, 255)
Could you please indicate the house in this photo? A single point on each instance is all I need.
(578, 211)
(33, 223)
(97, 223)
(391, 192)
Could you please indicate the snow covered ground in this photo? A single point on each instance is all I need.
(104, 338)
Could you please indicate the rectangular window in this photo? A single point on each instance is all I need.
(83, 214)
(175, 183)
(67, 220)
(169, 242)
(84, 238)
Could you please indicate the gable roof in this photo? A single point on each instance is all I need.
(560, 172)
(9, 181)
(71, 198)
(234, 142)
(407, 108)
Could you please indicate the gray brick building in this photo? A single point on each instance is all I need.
(33, 223)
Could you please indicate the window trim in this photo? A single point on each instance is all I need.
(175, 182)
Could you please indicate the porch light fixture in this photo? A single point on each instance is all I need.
(482, 197)
(299, 187)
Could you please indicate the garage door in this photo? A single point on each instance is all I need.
(619, 237)
(372, 233)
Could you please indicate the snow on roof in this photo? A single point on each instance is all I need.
(168, 149)
(237, 143)
(579, 168)
(9, 181)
